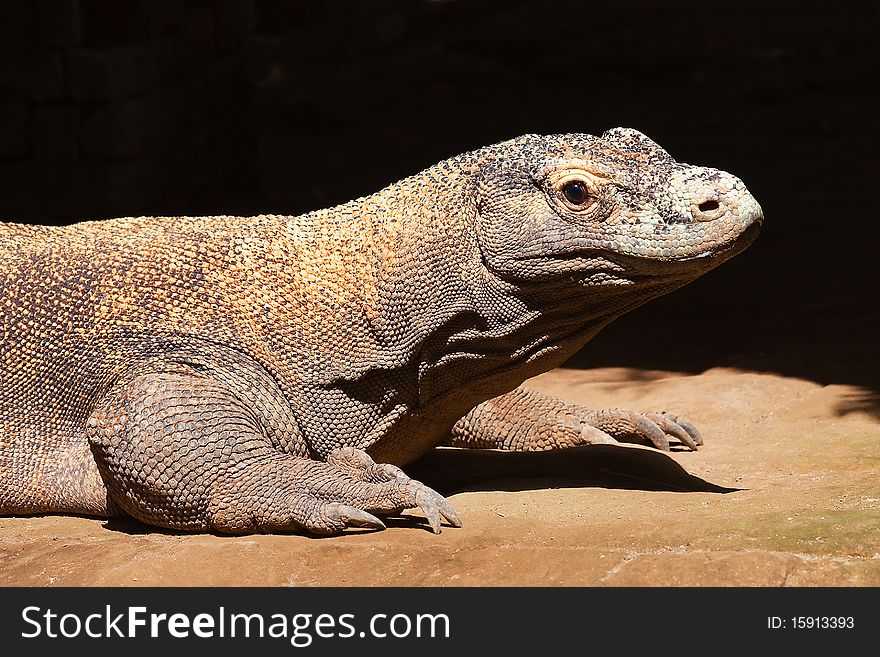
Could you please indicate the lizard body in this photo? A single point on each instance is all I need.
(240, 374)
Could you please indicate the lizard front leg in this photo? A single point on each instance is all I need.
(181, 450)
(526, 420)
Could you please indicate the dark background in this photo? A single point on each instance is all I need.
(127, 107)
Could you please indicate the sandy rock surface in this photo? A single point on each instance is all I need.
(785, 492)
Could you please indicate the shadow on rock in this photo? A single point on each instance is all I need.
(134, 527)
(451, 470)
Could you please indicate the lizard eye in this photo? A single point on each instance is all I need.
(577, 194)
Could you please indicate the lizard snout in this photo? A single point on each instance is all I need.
(724, 196)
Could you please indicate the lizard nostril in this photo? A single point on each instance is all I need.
(708, 206)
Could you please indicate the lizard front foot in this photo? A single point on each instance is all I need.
(621, 425)
(529, 421)
(393, 491)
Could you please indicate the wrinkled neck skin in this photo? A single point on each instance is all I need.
(530, 328)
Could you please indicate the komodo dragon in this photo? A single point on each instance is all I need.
(241, 374)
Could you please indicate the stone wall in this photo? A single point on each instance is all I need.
(115, 107)
(118, 106)
(111, 107)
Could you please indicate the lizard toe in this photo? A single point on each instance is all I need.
(654, 429)
(381, 489)
(670, 424)
(348, 516)
(693, 432)
(647, 429)
(358, 464)
(435, 507)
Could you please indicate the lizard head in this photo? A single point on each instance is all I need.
(607, 211)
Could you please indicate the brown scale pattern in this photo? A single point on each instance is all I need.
(240, 374)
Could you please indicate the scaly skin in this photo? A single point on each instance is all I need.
(240, 374)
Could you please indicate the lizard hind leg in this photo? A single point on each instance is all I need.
(180, 450)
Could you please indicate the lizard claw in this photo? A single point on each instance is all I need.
(350, 516)
(435, 506)
(652, 428)
(692, 431)
(670, 424)
(368, 488)
(656, 427)
(646, 428)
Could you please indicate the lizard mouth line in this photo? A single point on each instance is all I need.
(733, 247)
(589, 255)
